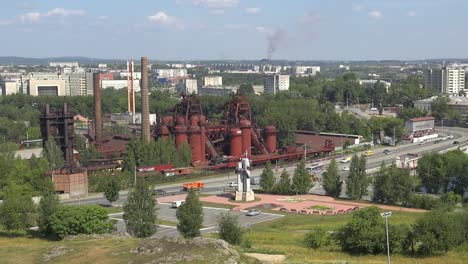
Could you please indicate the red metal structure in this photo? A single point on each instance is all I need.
(220, 144)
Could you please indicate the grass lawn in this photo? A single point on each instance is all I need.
(167, 223)
(285, 236)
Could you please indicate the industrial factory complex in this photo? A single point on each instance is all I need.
(215, 144)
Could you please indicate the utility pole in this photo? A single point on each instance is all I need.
(305, 152)
(394, 142)
(387, 215)
(134, 176)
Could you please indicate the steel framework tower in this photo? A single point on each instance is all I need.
(131, 89)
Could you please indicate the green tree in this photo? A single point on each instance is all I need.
(284, 184)
(47, 207)
(230, 229)
(88, 154)
(438, 231)
(356, 185)
(17, 209)
(53, 154)
(267, 178)
(74, 220)
(331, 180)
(317, 238)
(301, 180)
(439, 107)
(392, 185)
(140, 211)
(190, 216)
(245, 88)
(111, 191)
(185, 155)
(365, 233)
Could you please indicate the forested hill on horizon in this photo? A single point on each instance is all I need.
(15, 60)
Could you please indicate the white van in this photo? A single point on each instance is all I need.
(177, 204)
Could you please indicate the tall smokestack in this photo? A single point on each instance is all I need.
(97, 111)
(145, 125)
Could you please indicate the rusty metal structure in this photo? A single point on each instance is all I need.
(58, 125)
(221, 144)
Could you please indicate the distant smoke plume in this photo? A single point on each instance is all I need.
(276, 40)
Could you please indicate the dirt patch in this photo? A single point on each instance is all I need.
(56, 251)
(266, 258)
(177, 250)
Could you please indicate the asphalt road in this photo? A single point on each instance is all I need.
(210, 219)
(217, 185)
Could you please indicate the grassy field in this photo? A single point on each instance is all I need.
(285, 236)
(217, 205)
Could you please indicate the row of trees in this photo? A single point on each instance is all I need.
(161, 151)
(441, 173)
(434, 233)
(301, 181)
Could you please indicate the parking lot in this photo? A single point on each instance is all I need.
(210, 220)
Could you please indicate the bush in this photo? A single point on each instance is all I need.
(73, 220)
(230, 229)
(438, 231)
(317, 238)
(246, 242)
(422, 202)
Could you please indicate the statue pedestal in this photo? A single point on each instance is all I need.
(245, 196)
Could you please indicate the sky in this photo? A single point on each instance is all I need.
(235, 29)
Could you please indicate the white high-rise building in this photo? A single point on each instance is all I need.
(454, 80)
(213, 81)
(191, 86)
(276, 83)
(447, 80)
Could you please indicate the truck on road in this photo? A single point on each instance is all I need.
(193, 185)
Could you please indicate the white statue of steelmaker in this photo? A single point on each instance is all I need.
(244, 190)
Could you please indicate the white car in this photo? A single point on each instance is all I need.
(253, 213)
(345, 168)
(233, 184)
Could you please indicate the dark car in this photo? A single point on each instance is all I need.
(456, 142)
(159, 192)
(387, 151)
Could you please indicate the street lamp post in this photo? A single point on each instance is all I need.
(387, 215)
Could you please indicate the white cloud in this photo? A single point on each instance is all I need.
(252, 10)
(412, 13)
(375, 14)
(162, 18)
(64, 12)
(30, 17)
(56, 12)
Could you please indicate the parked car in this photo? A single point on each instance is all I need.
(345, 168)
(177, 204)
(345, 160)
(159, 192)
(233, 184)
(253, 213)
